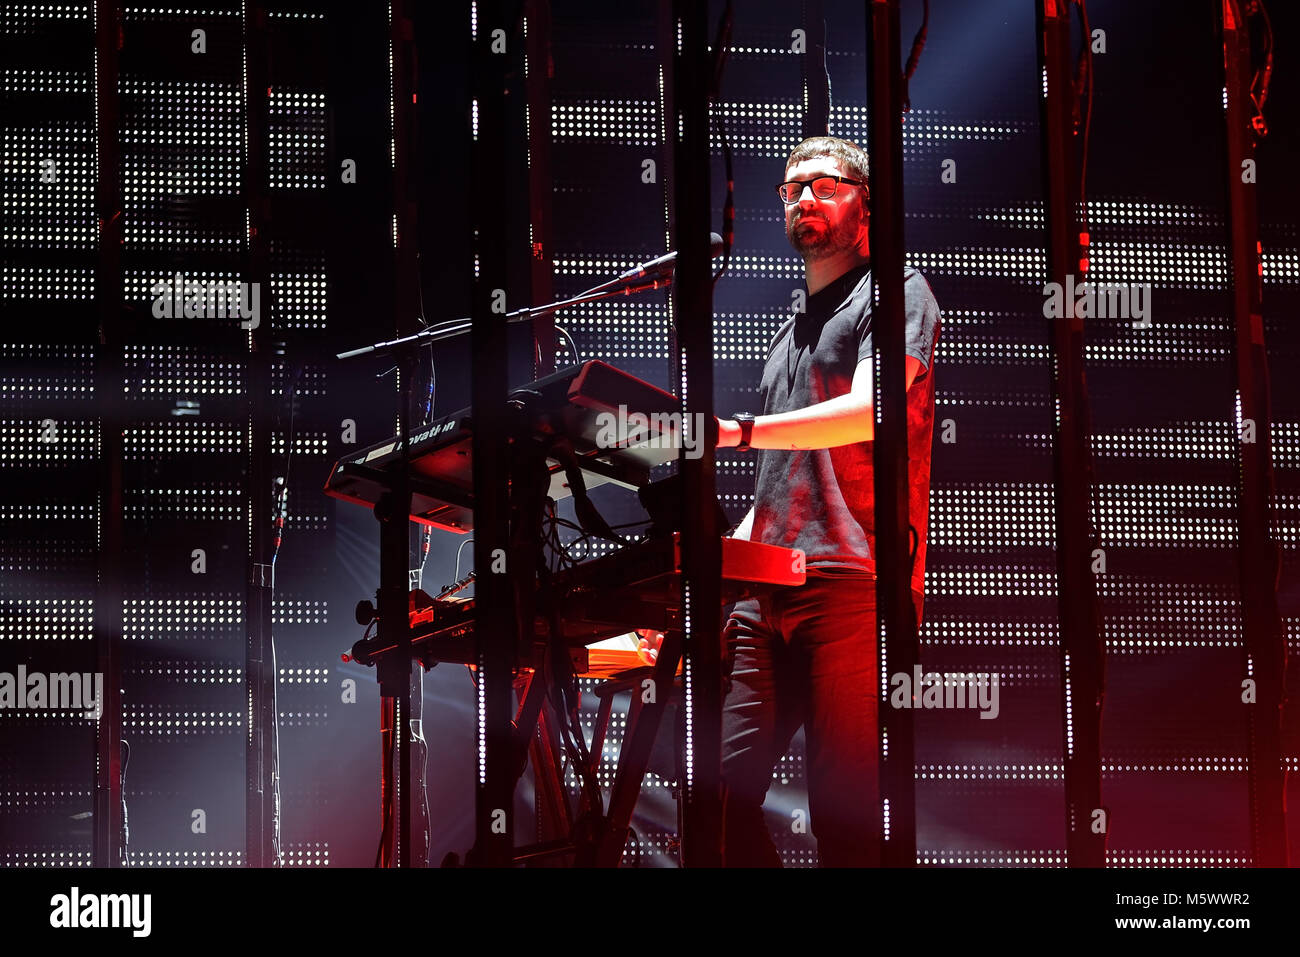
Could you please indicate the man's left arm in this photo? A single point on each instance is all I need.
(843, 420)
(848, 419)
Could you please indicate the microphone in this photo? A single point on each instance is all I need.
(665, 264)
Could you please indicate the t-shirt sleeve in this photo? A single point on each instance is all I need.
(921, 317)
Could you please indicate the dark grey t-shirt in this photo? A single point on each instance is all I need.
(822, 501)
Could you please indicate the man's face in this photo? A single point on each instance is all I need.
(818, 228)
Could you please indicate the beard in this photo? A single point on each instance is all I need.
(814, 244)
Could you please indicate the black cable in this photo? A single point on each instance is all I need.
(1260, 80)
(277, 850)
(125, 833)
(280, 504)
(562, 689)
(558, 548)
(386, 829)
(1263, 75)
(456, 574)
(1083, 87)
(279, 521)
(592, 521)
(721, 47)
(914, 57)
(573, 346)
(433, 376)
(1083, 78)
(636, 843)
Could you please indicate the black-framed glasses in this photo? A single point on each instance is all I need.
(823, 187)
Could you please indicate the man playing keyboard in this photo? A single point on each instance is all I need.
(807, 656)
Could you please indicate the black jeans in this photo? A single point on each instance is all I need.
(805, 656)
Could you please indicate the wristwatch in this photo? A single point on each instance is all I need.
(746, 422)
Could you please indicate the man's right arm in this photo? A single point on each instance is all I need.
(746, 526)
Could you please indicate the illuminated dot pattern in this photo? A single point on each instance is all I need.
(296, 139)
(152, 720)
(187, 859)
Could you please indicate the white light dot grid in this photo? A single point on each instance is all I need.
(207, 618)
(19, 855)
(299, 299)
(33, 375)
(627, 122)
(159, 372)
(37, 512)
(20, 18)
(210, 616)
(45, 440)
(306, 855)
(617, 330)
(1046, 857)
(47, 283)
(150, 719)
(311, 383)
(304, 443)
(297, 675)
(182, 140)
(1138, 612)
(213, 290)
(169, 672)
(1011, 515)
(147, 440)
(50, 552)
(296, 139)
(14, 802)
(214, 502)
(634, 122)
(140, 858)
(623, 330)
(162, 371)
(54, 214)
(299, 611)
(1126, 632)
(144, 14)
(587, 268)
(182, 145)
(1155, 516)
(47, 619)
(655, 848)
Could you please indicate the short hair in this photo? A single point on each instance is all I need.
(854, 159)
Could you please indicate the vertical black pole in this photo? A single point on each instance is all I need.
(666, 43)
(538, 93)
(816, 85)
(1083, 651)
(896, 612)
(493, 592)
(1259, 556)
(410, 703)
(108, 845)
(262, 815)
(701, 537)
(393, 510)
(539, 68)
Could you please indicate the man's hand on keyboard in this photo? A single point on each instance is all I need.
(648, 644)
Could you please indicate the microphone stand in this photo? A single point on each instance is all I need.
(397, 685)
(457, 327)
